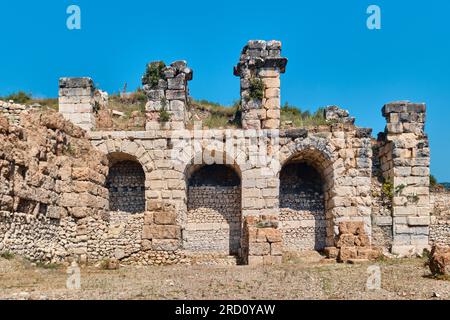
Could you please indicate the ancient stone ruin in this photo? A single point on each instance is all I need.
(173, 194)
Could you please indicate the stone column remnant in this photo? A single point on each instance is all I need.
(405, 161)
(76, 101)
(259, 68)
(168, 95)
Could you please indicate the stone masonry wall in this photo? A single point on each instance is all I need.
(12, 111)
(77, 102)
(50, 178)
(261, 61)
(302, 208)
(126, 185)
(169, 94)
(440, 218)
(214, 219)
(405, 161)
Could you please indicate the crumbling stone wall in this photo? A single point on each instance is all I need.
(302, 208)
(214, 211)
(50, 178)
(261, 64)
(12, 111)
(126, 185)
(61, 184)
(169, 94)
(405, 159)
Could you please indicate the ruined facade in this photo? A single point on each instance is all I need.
(174, 194)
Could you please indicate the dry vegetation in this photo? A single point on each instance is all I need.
(303, 277)
(211, 114)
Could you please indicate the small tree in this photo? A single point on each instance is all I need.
(153, 74)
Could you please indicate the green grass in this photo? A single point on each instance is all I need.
(48, 266)
(218, 116)
(24, 98)
(302, 119)
(7, 255)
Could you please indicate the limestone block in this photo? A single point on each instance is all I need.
(177, 83)
(268, 73)
(272, 103)
(347, 253)
(271, 124)
(259, 249)
(272, 260)
(273, 114)
(175, 94)
(276, 249)
(165, 217)
(148, 218)
(271, 82)
(161, 232)
(331, 252)
(165, 244)
(255, 261)
(418, 221)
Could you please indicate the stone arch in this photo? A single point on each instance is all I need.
(126, 183)
(307, 178)
(213, 207)
(134, 149)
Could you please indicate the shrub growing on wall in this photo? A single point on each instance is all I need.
(257, 88)
(164, 115)
(153, 74)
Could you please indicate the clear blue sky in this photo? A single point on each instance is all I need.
(333, 57)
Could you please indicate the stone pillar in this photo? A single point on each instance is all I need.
(168, 93)
(76, 101)
(262, 241)
(405, 161)
(259, 68)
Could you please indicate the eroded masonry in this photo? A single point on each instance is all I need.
(179, 194)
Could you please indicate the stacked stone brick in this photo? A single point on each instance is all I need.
(12, 111)
(302, 208)
(353, 244)
(55, 209)
(213, 219)
(405, 161)
(161, 232)
(51, 178)
(261, 60)
(171, 95)
(440, 218)
(76, 101)
(262, 241)
(126, 185)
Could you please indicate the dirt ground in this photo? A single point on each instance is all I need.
(297, 278)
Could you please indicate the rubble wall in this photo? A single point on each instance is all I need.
(51, 177)
(440, 217)
(302, 208)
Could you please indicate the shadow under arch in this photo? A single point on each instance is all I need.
(305, 179)
(125, 183)
(214, 211)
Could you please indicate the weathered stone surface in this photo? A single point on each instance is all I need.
(161, 232)
(440, 260)
(165, 217)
